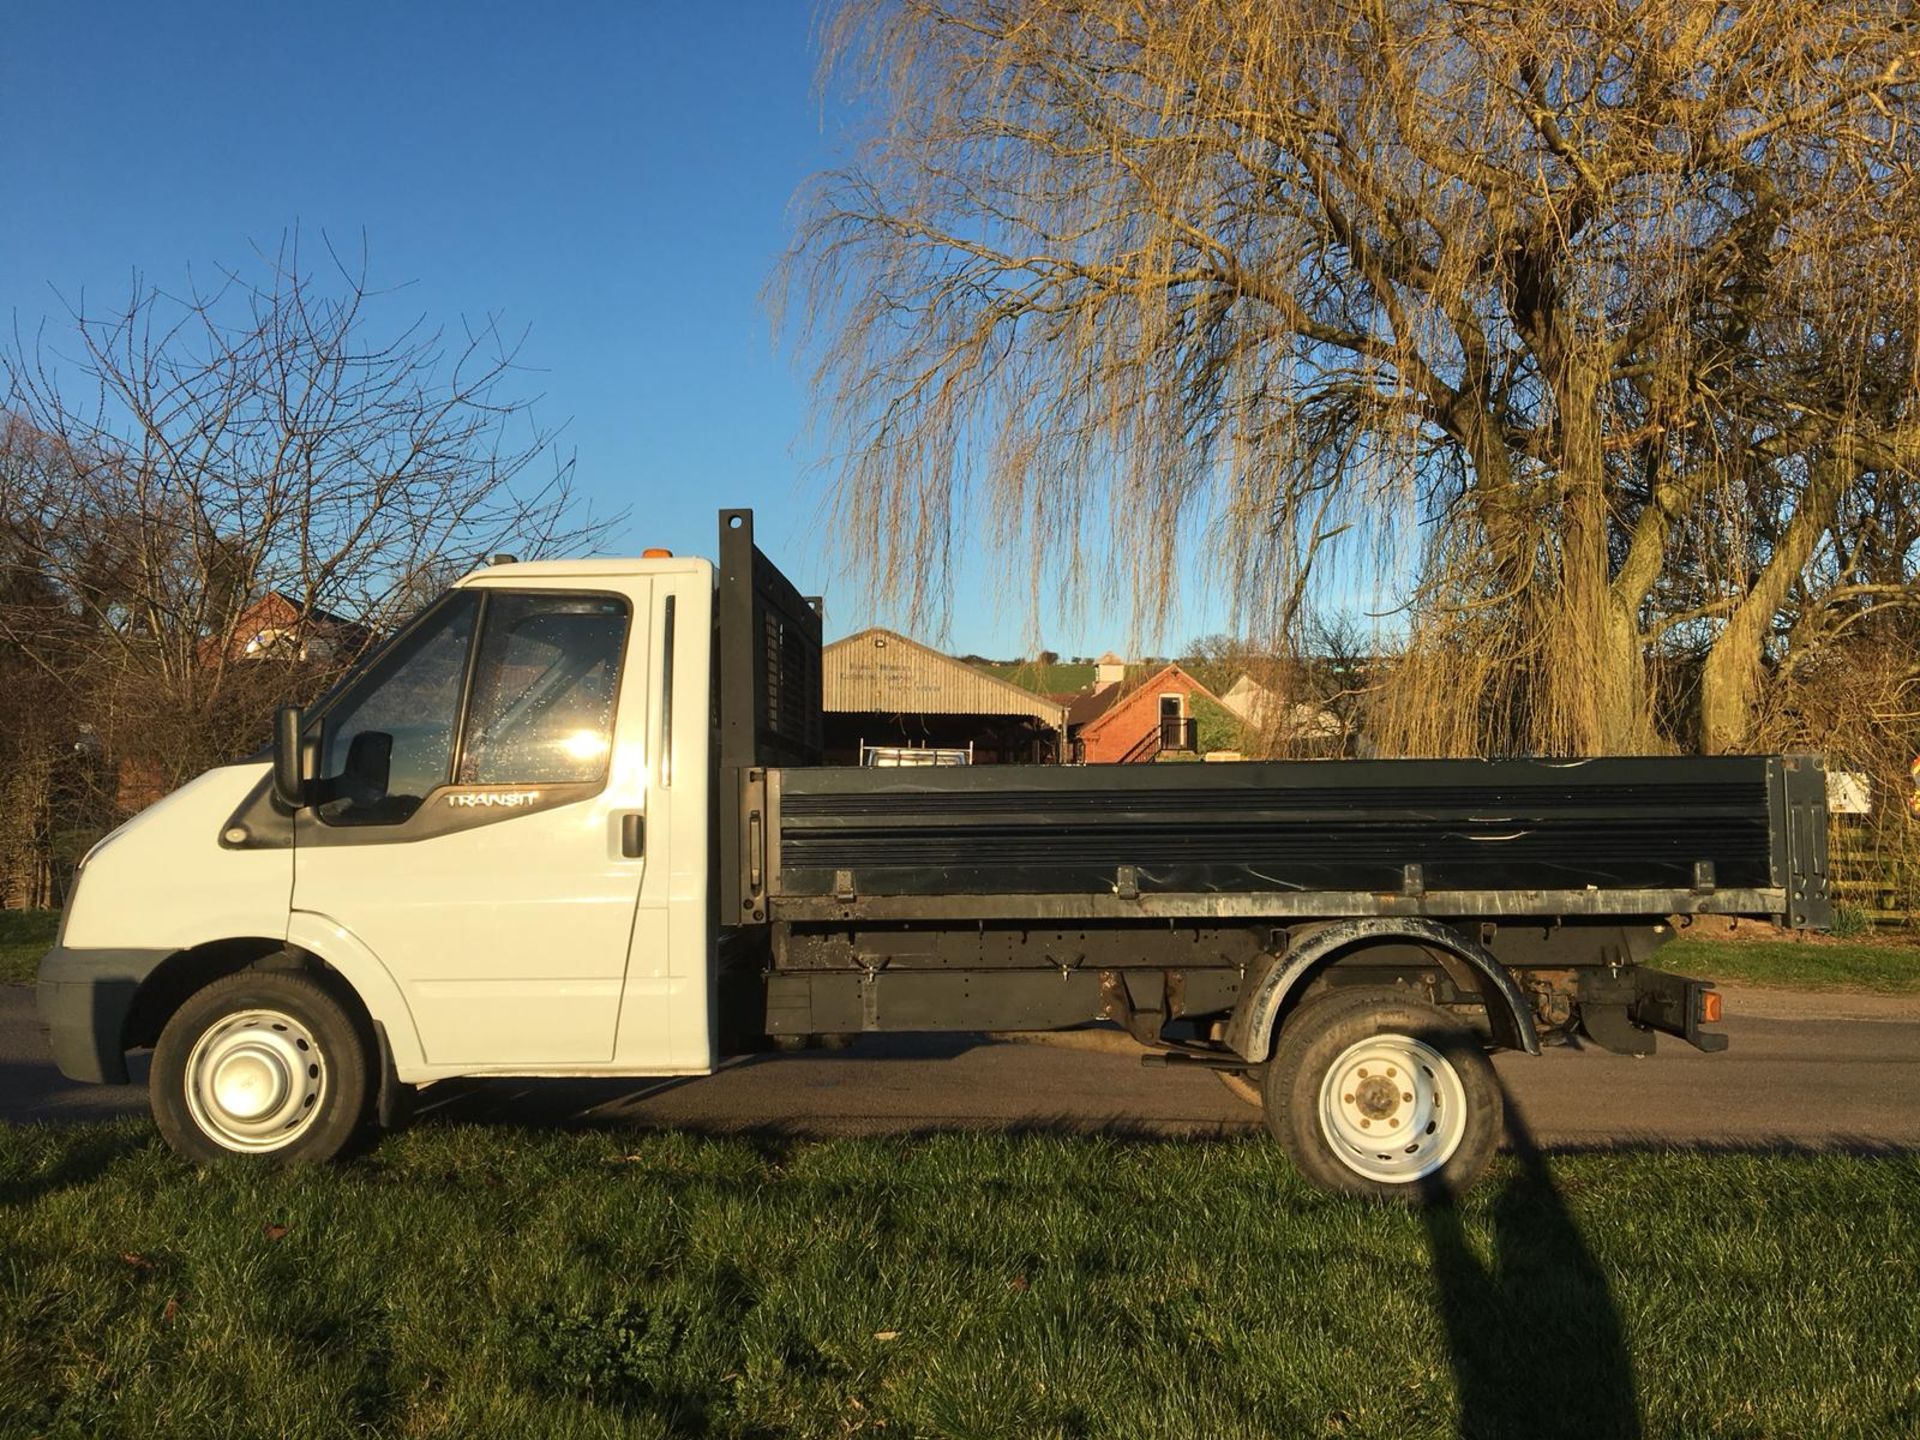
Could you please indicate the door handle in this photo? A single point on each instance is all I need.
(633, 835)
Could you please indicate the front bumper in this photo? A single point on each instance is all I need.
(83, 998)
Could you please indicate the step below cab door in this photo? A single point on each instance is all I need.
(480, 822)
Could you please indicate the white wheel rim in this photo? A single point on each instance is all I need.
(1393, 1108)
(255, 1081)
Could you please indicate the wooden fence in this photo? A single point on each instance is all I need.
(1881, 881)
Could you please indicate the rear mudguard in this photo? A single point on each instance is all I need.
(1267, 995)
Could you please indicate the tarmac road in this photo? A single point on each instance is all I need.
(1801, 1071)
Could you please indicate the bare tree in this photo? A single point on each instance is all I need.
(172, 462)
(1307, 703)
(1586, 327)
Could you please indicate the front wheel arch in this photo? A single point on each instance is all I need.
(179, 977)
(172, 982)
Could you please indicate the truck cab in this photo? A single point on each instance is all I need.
(500, 850)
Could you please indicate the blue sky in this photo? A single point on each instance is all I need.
(615, 179)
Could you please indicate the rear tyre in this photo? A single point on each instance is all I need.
(266, 1063)
(1375, 1094)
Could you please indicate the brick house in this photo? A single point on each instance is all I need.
(1153, 716)
(277, 625)
(274, 627)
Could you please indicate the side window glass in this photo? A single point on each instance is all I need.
(543, 690)
(389, 739)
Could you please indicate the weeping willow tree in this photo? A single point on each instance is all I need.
(1586, 329)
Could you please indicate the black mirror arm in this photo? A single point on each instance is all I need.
(290, 768)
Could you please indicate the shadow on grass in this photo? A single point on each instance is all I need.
(86, 1153)
(33, 1090)
(1533, 1334)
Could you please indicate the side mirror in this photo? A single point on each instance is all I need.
(369, 767)
(289, 783)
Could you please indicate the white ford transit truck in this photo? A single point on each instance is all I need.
(573, 820)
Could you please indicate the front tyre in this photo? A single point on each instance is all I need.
(1375, 1094)
(265, 1063)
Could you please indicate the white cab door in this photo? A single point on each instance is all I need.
(481, 820)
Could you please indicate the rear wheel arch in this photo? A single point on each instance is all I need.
(1276, 992)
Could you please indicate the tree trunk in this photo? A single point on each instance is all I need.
(1729, 683)
(1730, 679)
(1596, 692)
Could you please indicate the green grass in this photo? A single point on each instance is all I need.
(25, 935)
(1794, 965)
(1043, 679)
(1067, 677)
(473, 1281)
